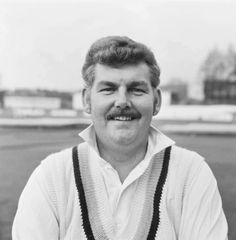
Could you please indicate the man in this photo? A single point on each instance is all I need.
(127, 180)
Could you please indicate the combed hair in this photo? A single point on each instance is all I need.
(116, 51)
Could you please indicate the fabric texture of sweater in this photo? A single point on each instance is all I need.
(177, 198)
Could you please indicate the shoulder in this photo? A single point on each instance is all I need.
(184, 160)
(185, 167)
(59, 165)
(57, 162)
(57, 168)
(54, 172)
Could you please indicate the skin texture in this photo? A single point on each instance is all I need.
(122, 102)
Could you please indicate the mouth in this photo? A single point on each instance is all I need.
(123, 115)
(122, 118)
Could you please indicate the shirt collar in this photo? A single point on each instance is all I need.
(157, 141)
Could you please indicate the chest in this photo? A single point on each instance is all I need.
(138, 211)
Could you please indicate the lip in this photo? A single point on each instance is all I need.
(123, 115)
(123, 118)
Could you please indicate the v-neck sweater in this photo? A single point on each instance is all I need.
(183, 204)
(120, 194)
(97, 222)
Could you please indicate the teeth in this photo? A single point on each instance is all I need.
(121, 118)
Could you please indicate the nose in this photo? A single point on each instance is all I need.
(122, 99)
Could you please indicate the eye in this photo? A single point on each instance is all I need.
(138, 91)
(107, 90)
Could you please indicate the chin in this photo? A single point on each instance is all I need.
(124, 139)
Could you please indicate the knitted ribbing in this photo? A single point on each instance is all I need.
(93, 203)
(152, 173)
(82, 200)
(158, 194)
(99, 217)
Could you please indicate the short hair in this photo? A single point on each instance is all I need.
(117, 51)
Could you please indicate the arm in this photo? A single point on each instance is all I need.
(36, 215)
(202, 214)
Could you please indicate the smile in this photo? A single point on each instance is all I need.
(123, 118)
(123, 115)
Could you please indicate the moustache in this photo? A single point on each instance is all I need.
(126, 112)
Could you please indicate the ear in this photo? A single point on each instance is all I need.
(86, 100)
(157, 101)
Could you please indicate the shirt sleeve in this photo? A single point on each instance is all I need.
(202, 214)
(36, 216)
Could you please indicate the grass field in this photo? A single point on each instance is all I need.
(21, 150)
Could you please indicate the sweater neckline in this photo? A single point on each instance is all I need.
(96, 215)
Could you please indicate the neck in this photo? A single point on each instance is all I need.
(123, 158)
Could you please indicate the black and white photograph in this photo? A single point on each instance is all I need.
(117, 119)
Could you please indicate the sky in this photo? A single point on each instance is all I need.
(43, 43)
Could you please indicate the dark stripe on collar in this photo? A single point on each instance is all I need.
(81, 193)
(157, 197)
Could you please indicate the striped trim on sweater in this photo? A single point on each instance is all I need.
(96, 220)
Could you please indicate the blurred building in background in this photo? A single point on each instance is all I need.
(1, 98)
(38, 103)
(175, 92)
(36, 99)
(220, 92)
(219, 74)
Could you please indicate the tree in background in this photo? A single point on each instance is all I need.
(220, 66)
(219, 77)
(231, 63)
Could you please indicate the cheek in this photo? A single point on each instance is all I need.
(98, 109)
(145, 106)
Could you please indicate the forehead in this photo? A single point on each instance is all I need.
(126, 74)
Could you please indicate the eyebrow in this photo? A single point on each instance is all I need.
(131, 84)
(138, 84)
(107, 83)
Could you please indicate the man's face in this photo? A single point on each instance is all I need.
(122, 103)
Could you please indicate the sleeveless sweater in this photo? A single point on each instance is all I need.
(147, 215)
(176, 199)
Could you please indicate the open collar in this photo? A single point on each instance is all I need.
(157, 141)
